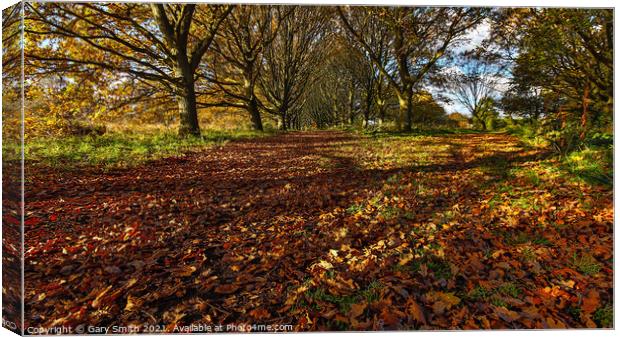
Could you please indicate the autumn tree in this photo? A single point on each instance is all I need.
(162, 44)
(428, 110)
(11, 71)
(419, 38)
(527, 103)
(290, 61)
(566, 54)
(238, 56)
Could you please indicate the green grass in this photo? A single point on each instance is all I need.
(355, 209)
(369, 294)
(509, 289)
(421, 132)
(592, 165)
(525, 203)
(372, 292)
(119, 149)
(438, 266)
(586, 264)
(604, 317)
(480, 293)
(389, 212)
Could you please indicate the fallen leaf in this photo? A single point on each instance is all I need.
(415, 311)
(357, 310)
(226, 289)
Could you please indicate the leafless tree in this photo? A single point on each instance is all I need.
(291, 59)
(238, 56)
(473, 86)
(419, 37)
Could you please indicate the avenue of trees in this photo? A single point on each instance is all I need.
(295, 67)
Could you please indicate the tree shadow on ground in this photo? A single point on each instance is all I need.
(230, 230)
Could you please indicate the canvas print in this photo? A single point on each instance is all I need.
(192, 167)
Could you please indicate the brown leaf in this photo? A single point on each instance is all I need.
(133, 303)
(415, 311)
(357, 310)
(97, 301)
(590, 302)
(259, 313)
(556, 324)
(185, 270)
(226, 289)
(389, 318)
(442, 301)
(506, 314)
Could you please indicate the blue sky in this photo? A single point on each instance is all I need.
(471, 41)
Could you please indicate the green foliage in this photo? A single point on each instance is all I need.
(440, 268)
(591, 165)
(528, 254)
(589, 159)
(390, 212)
(527, 133)
(604, 317)
(119, 149)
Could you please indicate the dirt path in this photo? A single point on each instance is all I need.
(321, 230)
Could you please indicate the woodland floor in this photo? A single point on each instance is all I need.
(323, 231)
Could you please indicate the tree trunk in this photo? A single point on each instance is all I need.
(188, 113)
(367, 111)
(406, 111)
(252, 104)
(482, 122)
(282, 121)
(584, 113)
(257, 123)
(381, 107)
(186, 98)
(350, 107)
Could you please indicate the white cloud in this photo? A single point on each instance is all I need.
(474, 37)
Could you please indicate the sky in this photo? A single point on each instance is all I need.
(471, 41)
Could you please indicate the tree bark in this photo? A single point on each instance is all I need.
(367, 110)
(252, 104)
(406, 111)
(188, 112)
(584, 112)
(282, 121)
(381, 107)
(350, 107)
(257, 123)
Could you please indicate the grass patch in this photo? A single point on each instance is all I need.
(353, 209)
(440, 268)
(389, 212)
(586, 264)
(421, 132)
(528, 254)
(592, 165)
(479, 293)
(509, 289)
(120, 149)
(604, 316)
(525, 203)
(370, 294)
